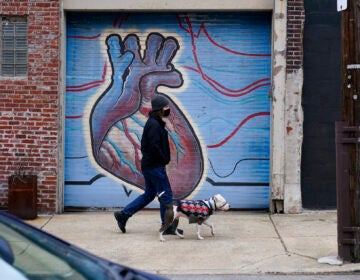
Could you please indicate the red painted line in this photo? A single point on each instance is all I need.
(238, 127)
(83, 88)
(85, 37)
(249, 88)
(214, 84)
(204, 29)
(90, 85)
(121, 19)
(74, 117)
(116, 20)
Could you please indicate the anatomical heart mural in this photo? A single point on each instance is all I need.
(213, 68)
(119, 115)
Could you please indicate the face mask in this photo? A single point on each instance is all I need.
(166, 112)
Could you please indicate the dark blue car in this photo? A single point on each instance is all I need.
(27, 252)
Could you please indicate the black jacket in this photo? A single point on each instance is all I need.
(155, 144)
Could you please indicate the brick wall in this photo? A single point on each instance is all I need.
(29, 107)
(295, 27)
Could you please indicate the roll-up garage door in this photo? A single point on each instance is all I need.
(215, 70)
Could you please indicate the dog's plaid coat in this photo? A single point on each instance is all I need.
(194, 208)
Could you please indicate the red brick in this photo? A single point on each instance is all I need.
(23, 100)
(295, 20)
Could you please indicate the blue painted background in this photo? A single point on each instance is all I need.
(226, 66)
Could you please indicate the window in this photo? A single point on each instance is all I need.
(13, 46)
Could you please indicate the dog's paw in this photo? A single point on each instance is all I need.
(200, 237)
(161, 238)
(212, 228)
(179, 234)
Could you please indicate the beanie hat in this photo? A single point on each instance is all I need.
(158, 102)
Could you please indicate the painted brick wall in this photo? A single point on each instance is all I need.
(295, 27)
(29, 107)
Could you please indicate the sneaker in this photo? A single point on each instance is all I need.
(171, 231)
(121, 219)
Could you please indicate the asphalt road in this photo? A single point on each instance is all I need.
(266, 277)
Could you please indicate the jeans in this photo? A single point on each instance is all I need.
(156, 182)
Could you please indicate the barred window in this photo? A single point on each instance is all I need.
(13, 46)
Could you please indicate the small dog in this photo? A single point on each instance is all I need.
(197, 211)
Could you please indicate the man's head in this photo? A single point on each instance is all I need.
(161, 104)
(158, 102)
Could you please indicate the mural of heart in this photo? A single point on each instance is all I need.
(118, 116)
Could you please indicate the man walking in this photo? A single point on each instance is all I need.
(155, 156)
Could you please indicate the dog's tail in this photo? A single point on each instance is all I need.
(169, 217)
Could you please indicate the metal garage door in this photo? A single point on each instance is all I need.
(215, 70)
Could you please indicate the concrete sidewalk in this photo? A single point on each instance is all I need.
(244, 242)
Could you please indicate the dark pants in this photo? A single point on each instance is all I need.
(156, 182)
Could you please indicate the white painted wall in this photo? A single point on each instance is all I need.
(293, 142)
(278, 107)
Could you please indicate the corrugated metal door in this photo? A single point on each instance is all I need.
(215, 70)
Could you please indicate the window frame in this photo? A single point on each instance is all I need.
(16, 50)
